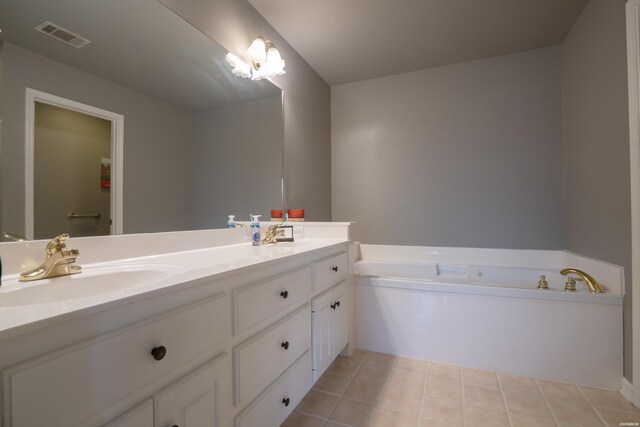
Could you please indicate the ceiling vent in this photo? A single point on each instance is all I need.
(61, 34)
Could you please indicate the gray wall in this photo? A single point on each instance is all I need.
(307, 126)
(68, 149)
(596, 143)
(462, 155)
(243, 174)
(157, 147)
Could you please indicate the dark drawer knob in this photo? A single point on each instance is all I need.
(337, 303)
(284, 294)
(159, 353)
(335, 268)
(285, 345)
(333, 306)
(286, 401)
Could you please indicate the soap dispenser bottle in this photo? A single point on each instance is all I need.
(232, 222)
(255, 230)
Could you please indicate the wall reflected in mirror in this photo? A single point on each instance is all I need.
(199, 142)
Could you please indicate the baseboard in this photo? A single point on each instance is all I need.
(627, 390)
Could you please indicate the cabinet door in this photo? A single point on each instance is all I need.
(321, 333)
(197, 400)
(140, 416)
(340, 324)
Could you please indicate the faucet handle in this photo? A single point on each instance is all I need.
(542, 283)
(56, 244)
(570, 285)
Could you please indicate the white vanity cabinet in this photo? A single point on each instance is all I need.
(234, 349)
(199, 399)
(74, 383)
(329, 270)
(259, 360)
(280, 399)
(329, 327)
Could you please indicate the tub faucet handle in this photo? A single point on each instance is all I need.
(570, 285)
(542, 283)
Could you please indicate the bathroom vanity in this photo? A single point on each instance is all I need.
(230, 335)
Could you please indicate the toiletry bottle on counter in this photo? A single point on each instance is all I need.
(255, 230)
(232, 222)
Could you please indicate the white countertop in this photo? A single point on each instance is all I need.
(185, 268)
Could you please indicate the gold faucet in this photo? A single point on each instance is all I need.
(57, 262)
(272, 234)
(594, 286)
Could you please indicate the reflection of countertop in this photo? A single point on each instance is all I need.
(186, 268)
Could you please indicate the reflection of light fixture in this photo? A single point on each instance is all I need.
(265, 61)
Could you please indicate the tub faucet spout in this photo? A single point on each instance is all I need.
(592, 284)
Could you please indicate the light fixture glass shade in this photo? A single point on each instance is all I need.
(239, 67)
(275, 63)
(257, 51)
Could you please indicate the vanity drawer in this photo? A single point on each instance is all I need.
(272, 408)
(260, 359)
(329, 271)
(257, 302)
(66, 387)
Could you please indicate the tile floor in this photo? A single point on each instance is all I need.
(374, 389)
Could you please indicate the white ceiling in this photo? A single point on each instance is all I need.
(353, 40)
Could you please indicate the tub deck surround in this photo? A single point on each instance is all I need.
(422, 261)
(481, 308)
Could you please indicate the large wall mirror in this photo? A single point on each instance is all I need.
(197, 143)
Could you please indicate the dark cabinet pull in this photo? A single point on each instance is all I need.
(175, 425)
(285, 345)
(284, 294)
(286, 401)
(159, 353)
(335, 268)
(333, 306)
(337, 303)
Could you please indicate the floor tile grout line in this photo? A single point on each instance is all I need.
(309, 414)
(464, 406)
(339, 396)
(504, 399)
(342, 397)
(604, 422)
(609, 408)
(546, 402)
(424, 394)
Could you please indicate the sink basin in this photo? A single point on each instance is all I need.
(92, 282)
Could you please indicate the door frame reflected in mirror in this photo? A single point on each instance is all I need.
(117, 138)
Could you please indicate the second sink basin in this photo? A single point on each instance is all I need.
(91, 282)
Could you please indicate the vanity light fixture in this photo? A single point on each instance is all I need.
(265, 61)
